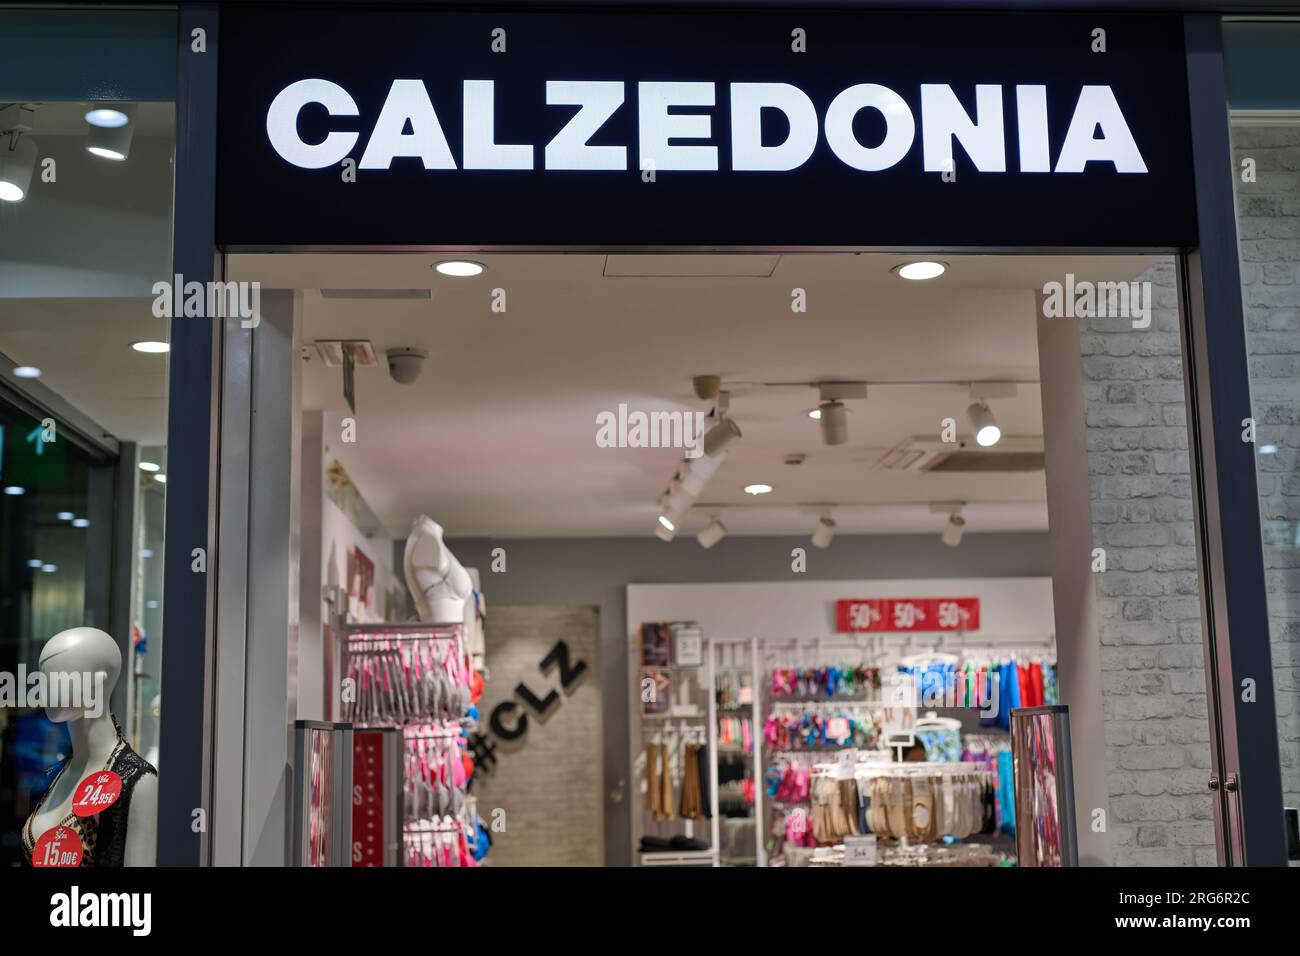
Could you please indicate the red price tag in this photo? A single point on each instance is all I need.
(58, 846)
(875, 615)
(96, 793)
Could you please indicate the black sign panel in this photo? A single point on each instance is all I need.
(678, 128)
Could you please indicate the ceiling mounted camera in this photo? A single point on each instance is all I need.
(406, 364)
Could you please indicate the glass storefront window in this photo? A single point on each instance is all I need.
(1264, 94)
(87, 151)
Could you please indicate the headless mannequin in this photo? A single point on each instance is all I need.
(438, 583)
(88, 650)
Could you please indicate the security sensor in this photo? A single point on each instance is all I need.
(406, 364)
(707, 386)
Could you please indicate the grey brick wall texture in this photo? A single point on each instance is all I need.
(1148, 608)
(549, 781)
(1268, 228)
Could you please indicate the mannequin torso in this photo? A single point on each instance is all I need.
(97, 744)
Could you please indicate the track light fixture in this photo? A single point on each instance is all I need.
(987, 432)
(111, 141)
(823, 531)
(953, 530)
(835, 422)
(699, 471)
(665, 528)
(832, 413)
(713, 532)
(17, 152)
(720, 436)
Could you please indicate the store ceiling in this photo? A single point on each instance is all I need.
(497, 437)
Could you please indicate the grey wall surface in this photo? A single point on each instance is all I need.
(547, 786)
(1148, 603)
(1268, 224)
(1074, 590)
(595, 571)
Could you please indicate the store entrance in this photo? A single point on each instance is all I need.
(724, 560)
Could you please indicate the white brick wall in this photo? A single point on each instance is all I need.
(1268, 227)
(1153, 685)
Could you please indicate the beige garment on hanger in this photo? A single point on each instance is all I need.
(666, 784)
(652, 791)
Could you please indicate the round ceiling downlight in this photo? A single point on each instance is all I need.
(920, 271)
(151, 348)
(460, 268)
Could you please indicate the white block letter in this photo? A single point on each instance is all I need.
(481, 150)
(943, 118)
(407, 101)
(900, 127)
(282, 123)
(598, 99)
(748, 100)
(1097, 107)
(658, 126)
(1031, 126)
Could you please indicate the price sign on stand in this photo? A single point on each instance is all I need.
(906, 615)
(860, 850)
(57, 846)
(367, 799)
(97, 793)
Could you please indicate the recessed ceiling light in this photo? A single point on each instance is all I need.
(150, 466)
(49, 568)
(106, 117)
(65, 516)
(152, 348)
(26, 371)
(15, 490)
(81, 522)
(459, 267)
(758, 489)
(160, 478)
(918, 271)
(1268, 449)
(35, 563)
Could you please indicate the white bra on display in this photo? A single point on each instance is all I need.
(438, 583)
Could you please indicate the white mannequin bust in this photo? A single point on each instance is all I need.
(438, 583)
(87, 650)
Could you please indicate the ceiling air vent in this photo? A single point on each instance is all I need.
(1014, 453)
(376, 294)
(331, 352)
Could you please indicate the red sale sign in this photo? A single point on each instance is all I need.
(57, 846)
(367, 799)
(96, 793)
(885, 615)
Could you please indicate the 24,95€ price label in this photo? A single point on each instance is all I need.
(96, 793)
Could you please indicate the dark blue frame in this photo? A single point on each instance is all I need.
(192, 408)
(1244, 736)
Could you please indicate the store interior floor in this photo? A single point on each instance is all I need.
(536, 385)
